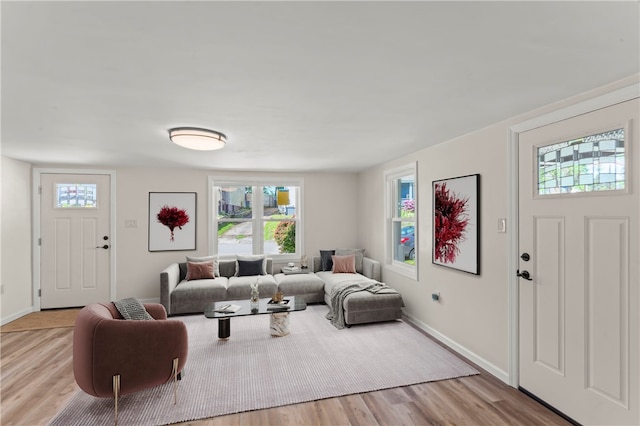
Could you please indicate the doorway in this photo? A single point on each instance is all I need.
(576, 297)
(74, 239)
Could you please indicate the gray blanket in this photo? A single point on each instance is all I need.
(339, 293)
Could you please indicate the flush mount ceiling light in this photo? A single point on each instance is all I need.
(197, 138)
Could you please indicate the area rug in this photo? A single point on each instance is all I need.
(253, 370)
(44, 319)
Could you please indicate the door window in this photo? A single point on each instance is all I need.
(587, 164)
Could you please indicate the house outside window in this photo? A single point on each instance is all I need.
(256, 217)
(401, 220)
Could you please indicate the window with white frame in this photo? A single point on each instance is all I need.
(401, 219)
(260, 216)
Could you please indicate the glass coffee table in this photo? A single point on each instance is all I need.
(279, 323)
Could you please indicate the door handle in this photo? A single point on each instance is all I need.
(106, 246)
(524, 274)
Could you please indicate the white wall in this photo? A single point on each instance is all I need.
(473, 313)
(329, 208)
(16, 239)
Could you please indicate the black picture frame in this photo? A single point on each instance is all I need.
(456, 223)
(172, 221)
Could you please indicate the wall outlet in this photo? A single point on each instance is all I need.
(435, 296)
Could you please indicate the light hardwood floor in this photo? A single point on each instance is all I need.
(37, 380)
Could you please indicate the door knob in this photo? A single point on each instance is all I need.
(524, 274)
(525, 257)
(106, 246)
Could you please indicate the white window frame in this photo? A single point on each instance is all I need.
(391, 197)
(258, 218)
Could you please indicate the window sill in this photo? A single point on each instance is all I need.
(405, 270)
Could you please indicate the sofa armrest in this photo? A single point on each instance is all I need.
(371, 269)
(169, 279)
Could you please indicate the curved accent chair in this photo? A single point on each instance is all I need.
(113, 356)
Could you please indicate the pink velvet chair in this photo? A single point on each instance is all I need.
(113, 356)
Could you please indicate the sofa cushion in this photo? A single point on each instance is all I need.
(214, 258)
(261, 257)
(296, 284)
(326, 264)
(194, 296)
(344, 264)
(200, 270)
(250, 267)
(240, 287)
(359, 253)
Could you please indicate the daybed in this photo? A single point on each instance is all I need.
(360, 307)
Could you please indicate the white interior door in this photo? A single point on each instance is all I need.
(75, 242)
(579, 320)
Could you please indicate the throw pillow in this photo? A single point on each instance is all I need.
(216, 262)
(200, 270)
(260, 257)
(326, 264)
(359, 253)
(344, 264)
(132, 309)
(248, 268)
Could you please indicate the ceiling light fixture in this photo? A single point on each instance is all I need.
(197, 138)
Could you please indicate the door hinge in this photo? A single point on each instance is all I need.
(39, 241)
(40, 190)
(39, 292)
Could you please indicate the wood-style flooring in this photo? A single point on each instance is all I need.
(37, 380)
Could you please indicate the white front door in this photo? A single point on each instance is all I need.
(579, 297)
(75, 242)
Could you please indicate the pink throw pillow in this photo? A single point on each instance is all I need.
(344, 264)
(199, 270)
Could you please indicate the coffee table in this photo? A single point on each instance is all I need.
(279, 316)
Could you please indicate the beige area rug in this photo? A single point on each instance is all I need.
(253, 370)
(44, 319)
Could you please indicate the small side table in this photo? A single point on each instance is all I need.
(279, 324)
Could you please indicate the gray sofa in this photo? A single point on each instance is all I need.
(180, 296)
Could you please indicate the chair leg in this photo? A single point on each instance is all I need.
(174, 373)
(116, 394)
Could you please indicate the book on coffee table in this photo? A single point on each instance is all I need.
(278, 306)
(228, 308)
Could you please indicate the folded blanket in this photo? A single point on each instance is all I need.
(339, 293)
(132, 309)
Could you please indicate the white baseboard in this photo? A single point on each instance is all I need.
(154, 300)
(481, 362)
(15, 316)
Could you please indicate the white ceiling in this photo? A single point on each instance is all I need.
(300, 86)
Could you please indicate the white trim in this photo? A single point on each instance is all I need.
(603, 101)
(17, 315)
(390, 263)
(36, 211)
(456, 347)
(214, 181)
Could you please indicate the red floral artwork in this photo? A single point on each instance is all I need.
(451, 220)
(173, 217)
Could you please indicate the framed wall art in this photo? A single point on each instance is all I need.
(456, 223)
(172, 221)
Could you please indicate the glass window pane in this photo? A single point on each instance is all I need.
(404, 242)
(76, 195)
(591, 163)
(235, 202)
(235, 237)
(279, 236)
(406, 197)
(279, 201)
